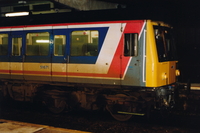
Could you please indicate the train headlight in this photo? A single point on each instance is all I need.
(164, 76)
(177, 72)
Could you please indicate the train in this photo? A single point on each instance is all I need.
(125, 66)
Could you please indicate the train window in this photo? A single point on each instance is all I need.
(130, 44)
(164, 43)
(59, 45)
(3, 44)
(37, 44)
(16, 46)
(84, 43)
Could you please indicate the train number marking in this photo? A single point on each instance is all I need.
(44, 67)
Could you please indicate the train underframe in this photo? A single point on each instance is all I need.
(121, 102)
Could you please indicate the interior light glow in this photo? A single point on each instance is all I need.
(42, 41)
(14, 14)
(22, 2)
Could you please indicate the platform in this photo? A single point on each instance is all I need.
(195, 86)
(8, 126)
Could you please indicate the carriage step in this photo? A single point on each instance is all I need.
(129, 113)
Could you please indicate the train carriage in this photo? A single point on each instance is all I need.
(125, 66)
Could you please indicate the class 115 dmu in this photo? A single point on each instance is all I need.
(124, 66)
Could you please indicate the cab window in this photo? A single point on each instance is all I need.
(165, 45)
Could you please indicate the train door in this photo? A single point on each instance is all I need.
(134, 52)
(16, 57)
(37, 61)
(59, 57)
(131, 54)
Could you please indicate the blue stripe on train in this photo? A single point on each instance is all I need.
(56, 59)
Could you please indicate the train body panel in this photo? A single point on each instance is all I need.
(159, 72)
(104, 54)
(109, 63)
(135, 73)
(119, 65)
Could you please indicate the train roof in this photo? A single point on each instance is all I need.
(74, 17)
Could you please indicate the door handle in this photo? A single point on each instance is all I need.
(67, 59)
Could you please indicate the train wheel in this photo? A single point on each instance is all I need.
(119, 112)
(56, 105)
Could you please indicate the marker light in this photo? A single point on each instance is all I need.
(14, 14)
(164, 76)
(177, 72)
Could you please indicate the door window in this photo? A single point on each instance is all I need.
(130, 44)
(3, 44)
(59, 45)
(16, 46)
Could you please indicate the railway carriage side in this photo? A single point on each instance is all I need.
(117, 65)
(88, 53)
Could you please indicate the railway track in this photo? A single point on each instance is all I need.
(100, 122)
(178, 120)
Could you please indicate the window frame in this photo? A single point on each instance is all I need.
(64, 46)
(7, 49)
(85, 45)
(36, 58)
(133, 49)
(87, 59)
(19, 46)
(49, 43)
